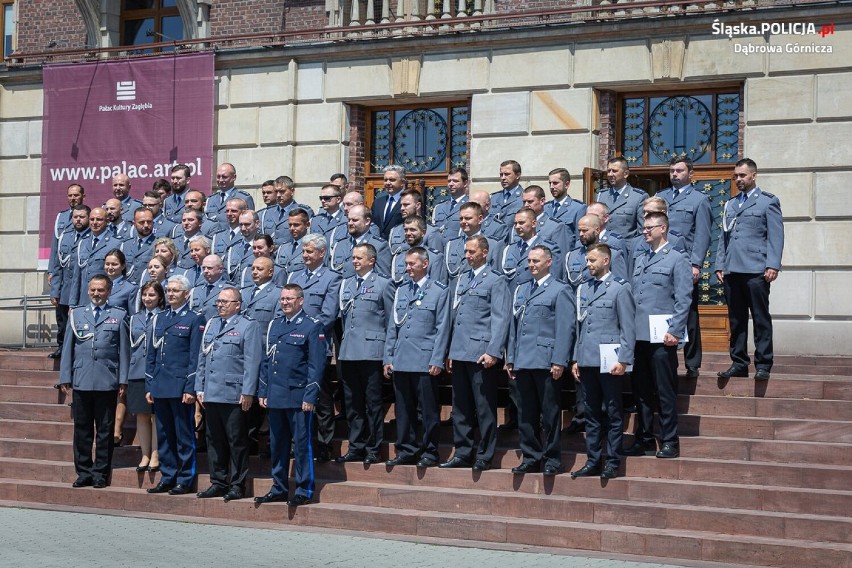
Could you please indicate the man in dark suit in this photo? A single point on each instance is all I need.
(385, 209)
(748, 260)
(173, 348)
(226, 384)
(290, 379)
(690, 215)
(541, 341)
(95, 360)
(366, 302)
(480, 308)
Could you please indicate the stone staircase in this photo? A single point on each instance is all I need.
(764, 477)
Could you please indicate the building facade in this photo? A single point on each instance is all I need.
(310, 88)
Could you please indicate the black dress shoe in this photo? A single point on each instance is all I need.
(510, 425)
(99, 483)
(350, 457)
(371, 459)
(586, 471)
(761, 375)
(691, 373)
(526, 467)
(323, 455)
(455, 462)
(669, 450)
(179, 489)
(141, 468)
(574, 428)
(427, 462)
(402, 460)
(211, 492)
(640, 449)
(609, 472)
(161, 488)
(482, 465)
(733, 371)
(270, 498)
(154, 468)
(82, 482)
(233, 495)
(550, 470)
(298, 500)
(56, 354)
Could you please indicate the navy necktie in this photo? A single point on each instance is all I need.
(534, 285)
(97, 313)
(221, 326)
(555, 208)
(523, 245)
(148, 317)
(597, 283)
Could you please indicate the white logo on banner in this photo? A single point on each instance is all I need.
(125, 91)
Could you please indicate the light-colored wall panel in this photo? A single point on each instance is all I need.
(236, 126)
(794, 190)
(718, 56)
(780, 98)
(368, 78)
(319, 122)
(259, 85)
(803, 146)
(792, 294)
(790, 59)
(833, 100)
(612, 62)
(833, 299)
(821, 244)
(504, 113)
(511, 68)
(454, 74)
(566, 110)
(833, 194)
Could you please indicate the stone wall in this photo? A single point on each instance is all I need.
(541, 105)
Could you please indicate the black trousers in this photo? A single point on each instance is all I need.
(539, 414)
(692, 352)
(749, 293)
(411, 389)
(603, 391)
(654, 378)
(94, 421)
(227, 445)
(362, 395)
(61, 322)
(475, 402)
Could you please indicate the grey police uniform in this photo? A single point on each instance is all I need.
(752, 240)
(445, 215)
(340, 256)
(418, 336)
(88, 261)
(568, 211)
(625, 209)
(437, 266)
(481, 312)
(513, 261)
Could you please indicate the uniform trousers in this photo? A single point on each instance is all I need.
(474, 402)
(692, 352)
(411, 389)
(362, 395)
(227, 445)
(61, 322)
(94, 421)
(288, 426)
(744, 293)
(324, 412)
(539, 414)
(603, 394)
(655, 377)
(176, 440)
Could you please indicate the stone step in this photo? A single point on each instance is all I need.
(758, 497)
(43, 430)
(28, 379)
(28, 359)
(766, 428)
(813, 387)
(16, 393)
(35, 411)
(784, 364)
(604, 537)
(839, 410)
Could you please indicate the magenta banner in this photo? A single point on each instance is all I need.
(136, 117)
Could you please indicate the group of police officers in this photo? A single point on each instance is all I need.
(492, 288)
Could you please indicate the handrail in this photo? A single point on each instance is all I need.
(25, 303)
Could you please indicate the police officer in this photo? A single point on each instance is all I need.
(226, 176)
(204, 294)
(288, 257)
(261, 298)
(605, 319)
(140, 248)
(662, 284)
(547, 228)
(162, 226)
(121, 190)
(414, 231)
(358, 225)
(445, 215)
(418, 335)
(366, 302)
(331, 221)
(748, 259)
(174, 344)
(226, 384)
(61, 269)
(481, 303)
(90, 254)
(290, 379)
(95, 360)
(623, 200)
(563, 207)
(506, 202)
(116, 225)
(276, 221)
(470, 224)
(410, 205)
(513, 261)
(541, 340)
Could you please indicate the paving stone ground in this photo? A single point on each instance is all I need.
(48, 538)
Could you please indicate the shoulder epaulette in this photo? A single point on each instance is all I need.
(767, 194)
(433, 251)
(619, 280)
(440, 285)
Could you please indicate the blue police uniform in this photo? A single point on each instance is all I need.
(480, 325)
(173, 206)
(456, 262)
(288, 257)
(437, 267)
(661, 284)
(567, 211)
(752, 240)
(605, 315)
(202, 298)
(137, 252)
(513, 261)
(291, 374)
(174, 344)
(276, 221)
(94, 363)
(541, 335)
(123, 295)
(214, 209)
(332, 227)
(396, 240)
(626, 212)
(262, 305)
(506, 202)
(88, 261)
(445, 215)
(128, 208)
(61, 270)
(365, 308)
(418, 336)
(340, 257)
(494, 228)
(228, 368)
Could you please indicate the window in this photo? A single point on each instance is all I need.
(8, 27)
(427, 141)
(150, 21)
